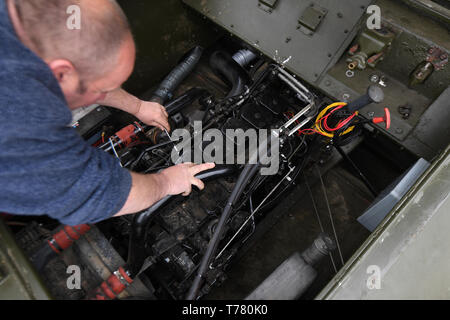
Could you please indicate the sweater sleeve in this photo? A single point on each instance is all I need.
(46, 168)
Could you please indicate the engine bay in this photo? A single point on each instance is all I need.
(184, 247)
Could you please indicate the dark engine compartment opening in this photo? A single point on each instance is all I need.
(162, 248)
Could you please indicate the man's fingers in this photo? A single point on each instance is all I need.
(187, 192)
(202, 167)
(198, 183)
(163, 125)
(167, 125)
(165, 111)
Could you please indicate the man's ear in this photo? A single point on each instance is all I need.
(66, 74)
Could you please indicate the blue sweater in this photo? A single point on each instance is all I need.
(46, 168)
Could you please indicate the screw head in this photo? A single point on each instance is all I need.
(374, 78)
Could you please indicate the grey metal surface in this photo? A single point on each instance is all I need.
(396, 94)
(409, 248)
(18, 278)
(278, 33)
(431, 7)
(391, 196)
(287, 282)
(408, 50)
(433, 128)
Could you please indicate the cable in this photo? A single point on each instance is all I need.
(115, 152)
(331, 216)
(322, 116)
(318, 218)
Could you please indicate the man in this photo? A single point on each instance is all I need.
(46, 69)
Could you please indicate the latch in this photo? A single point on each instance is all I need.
(267, 5)
(311, 18)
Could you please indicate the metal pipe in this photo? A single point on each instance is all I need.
(299, 126)
(298, 115)
(244, 57)
(294, 80)
(296, 89)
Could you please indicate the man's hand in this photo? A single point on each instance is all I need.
(150, 113)
(147, 189)
(180, 178)
(153, 114)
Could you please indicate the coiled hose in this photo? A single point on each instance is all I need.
(176, 76)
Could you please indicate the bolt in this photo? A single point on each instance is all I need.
(374, 78)
(328, 83)
(340, 15)
(288, 39)
(346, 96)
(398, 130)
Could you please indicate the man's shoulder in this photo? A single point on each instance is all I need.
(23, 94)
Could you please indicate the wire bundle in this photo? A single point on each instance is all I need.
(321, 125)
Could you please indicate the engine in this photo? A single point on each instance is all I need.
(169, 241)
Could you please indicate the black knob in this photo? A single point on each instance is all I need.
(374, 95)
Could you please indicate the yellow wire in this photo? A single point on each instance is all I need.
(318, 125)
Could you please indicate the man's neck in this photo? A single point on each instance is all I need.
(18, 26)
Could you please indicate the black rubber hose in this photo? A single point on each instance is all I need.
(176, 76)
(184, 100)
(223, 64)
(43, 256)
(136, 252)
(247, 173)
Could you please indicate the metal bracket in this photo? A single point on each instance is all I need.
(311, 18)
(438, 57)
(267, 5)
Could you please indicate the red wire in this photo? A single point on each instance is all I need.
(340, 124)
(325, 124)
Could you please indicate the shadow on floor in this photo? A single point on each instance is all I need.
(295, 231)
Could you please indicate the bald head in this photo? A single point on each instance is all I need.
(93, 49)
